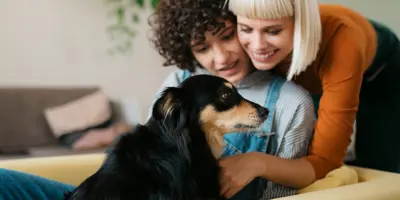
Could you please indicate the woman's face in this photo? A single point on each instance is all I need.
(267, 42)
(222, 55)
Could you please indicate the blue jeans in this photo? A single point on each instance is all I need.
(16, 185)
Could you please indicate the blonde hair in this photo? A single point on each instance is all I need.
(307, 25)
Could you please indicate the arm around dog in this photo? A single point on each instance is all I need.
(288, 168)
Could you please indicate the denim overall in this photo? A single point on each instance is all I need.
(236, 143)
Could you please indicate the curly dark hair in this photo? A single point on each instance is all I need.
(175, 23)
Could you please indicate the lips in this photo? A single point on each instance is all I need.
(264, 57)
(229, 66)
(229, 70)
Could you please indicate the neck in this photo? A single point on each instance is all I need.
(215, 139)
(285, 63)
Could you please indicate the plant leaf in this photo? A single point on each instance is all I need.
(154, 3)
(120, 12)
(140, 3)
(135, 18)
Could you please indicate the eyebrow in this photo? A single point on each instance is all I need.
(226, 28)
(272, 26)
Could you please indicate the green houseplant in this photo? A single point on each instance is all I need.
(126, 14)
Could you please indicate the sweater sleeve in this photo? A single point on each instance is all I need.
(341, 72)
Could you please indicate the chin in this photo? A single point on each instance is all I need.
(264, 66)
(235, 78)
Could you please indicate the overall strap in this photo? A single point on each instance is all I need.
(270, 101)
(185, 75)
(272, 144)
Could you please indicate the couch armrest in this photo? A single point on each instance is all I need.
(384, 188)
(71, 169)
(365, 174)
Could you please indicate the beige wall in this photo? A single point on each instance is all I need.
(386, 11)
(67, 40)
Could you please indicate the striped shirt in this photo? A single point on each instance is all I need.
(293, 122)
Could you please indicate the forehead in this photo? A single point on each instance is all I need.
(213, 33)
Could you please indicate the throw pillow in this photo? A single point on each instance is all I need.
(79, 114)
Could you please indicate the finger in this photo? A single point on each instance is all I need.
(224, 189)
(231, 192)
(224, 184)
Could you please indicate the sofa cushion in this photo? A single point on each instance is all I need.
(77, 115)
(69, 139)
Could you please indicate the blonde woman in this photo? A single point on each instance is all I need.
(207, 44)
(347, 62)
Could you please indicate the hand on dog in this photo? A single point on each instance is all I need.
(237, 171)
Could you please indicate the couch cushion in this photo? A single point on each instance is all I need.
(87, 111)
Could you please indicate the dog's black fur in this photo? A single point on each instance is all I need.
(168, 158)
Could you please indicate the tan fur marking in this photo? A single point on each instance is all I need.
(168, 105)
(215, 124)
(214, 139)
(229, 85)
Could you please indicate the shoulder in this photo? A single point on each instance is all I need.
(337, 19)
(177, 76)
(344, 29)
(294, 120)
(174, 76)
(294, 107)
(293, 95)
(294, 104)
(333, 15)
(172, 79)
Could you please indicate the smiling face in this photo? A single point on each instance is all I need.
(266, 41)
(222, 55)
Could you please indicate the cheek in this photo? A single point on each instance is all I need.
(244, 38)
(235, 47)
(283, 40)
(205, 60)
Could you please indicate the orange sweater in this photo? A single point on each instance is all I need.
(348, 48)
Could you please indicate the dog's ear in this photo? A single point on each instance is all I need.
(170, 108)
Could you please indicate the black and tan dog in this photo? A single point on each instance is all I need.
(174, 155)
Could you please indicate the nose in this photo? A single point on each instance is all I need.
(262, 112)
(259, 42)
(221, 55)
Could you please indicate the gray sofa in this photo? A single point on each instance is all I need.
(24, 131)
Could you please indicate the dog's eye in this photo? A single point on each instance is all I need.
(225, 96)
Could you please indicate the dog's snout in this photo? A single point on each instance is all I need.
(262, 112)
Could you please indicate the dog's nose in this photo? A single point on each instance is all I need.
(262, 112)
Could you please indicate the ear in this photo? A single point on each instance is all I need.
(170, 109)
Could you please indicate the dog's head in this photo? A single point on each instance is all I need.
(210, 102)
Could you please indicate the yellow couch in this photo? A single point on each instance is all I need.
(72, 169)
